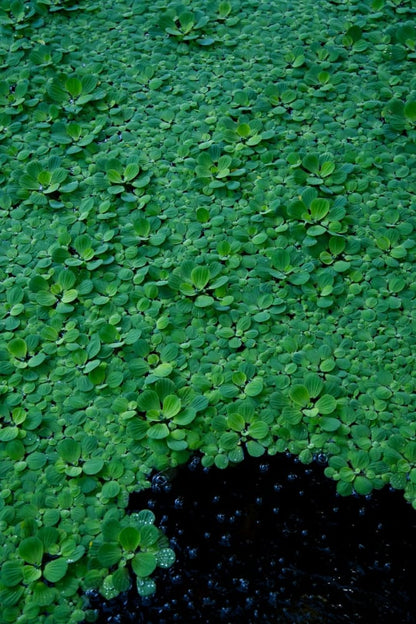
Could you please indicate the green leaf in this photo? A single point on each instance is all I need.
(224, 9)
(258, 430)
(200, 277)
(187, 21)
(129, 538)
(254, 387)
(31, 550)
(410, 110)
(236, 422)
(300, 395)
(244, 130)
(121, 580)
(55, 570)
(319, 208)
(158, 432)
(148, 400)
(110, 489)
(228, 440)
(109, 554)
(74, 86)
(108, 333)
(326, 404)
(254, 448)
(143, 564)
(36, 460)
(204, 301)
(46, 299)
(326, 169)
(43, 595)
(336, 245)
(49, 536)
(163, 370)
(36, 360)
(171, 406)
(93, 466)
(362, 485)
(69, 450)
(11, 573)
(145, 517)
(165, 558)
(341, 266)
(149, 535)
(114, 176)
(88, 83)
(145, 587)
(281, 260)
(8, 433)
(329, 424)
(396, 284)
(313, 384)
(221, 461)
(17, 347)
(131, 171)
(311, 163)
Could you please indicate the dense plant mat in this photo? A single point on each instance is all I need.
(206, 244)
(268, 541)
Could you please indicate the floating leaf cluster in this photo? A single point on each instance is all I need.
(207, 245)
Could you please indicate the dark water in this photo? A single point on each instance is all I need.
(269, 541)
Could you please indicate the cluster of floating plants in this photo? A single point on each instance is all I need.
(207, 244)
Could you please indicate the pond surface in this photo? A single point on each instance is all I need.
(269, 540)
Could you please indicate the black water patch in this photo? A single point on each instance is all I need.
(269, 540)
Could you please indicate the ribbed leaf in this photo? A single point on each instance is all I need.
(74, 86)
(109, 554)
(129, 538)
(326, 404)
(144, 563)
(200, 276)
(55, 570)
(171, 406)
(31, 550)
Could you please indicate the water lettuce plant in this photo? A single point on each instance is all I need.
(206, 246)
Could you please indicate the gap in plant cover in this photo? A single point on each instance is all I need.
(268, 540)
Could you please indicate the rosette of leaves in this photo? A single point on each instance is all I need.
(46, 564)
(319, 215)
(74, 92)
(18, 14)
(308, 403)
(130, 178)
(401, 116)
(242, 429)
(166, 414)
(43, 183)
(13, 94)
(281, 96)
(75, 135)
(40, 568)
(215, 171)
(295, 58)
(130, 549)
(359, 470)
(147, 230)
(243, 136)
(320, 170)
(321, 82)
(253, 432)
(185, 25)
(201, 283)
(404, 39)
(44, 56)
